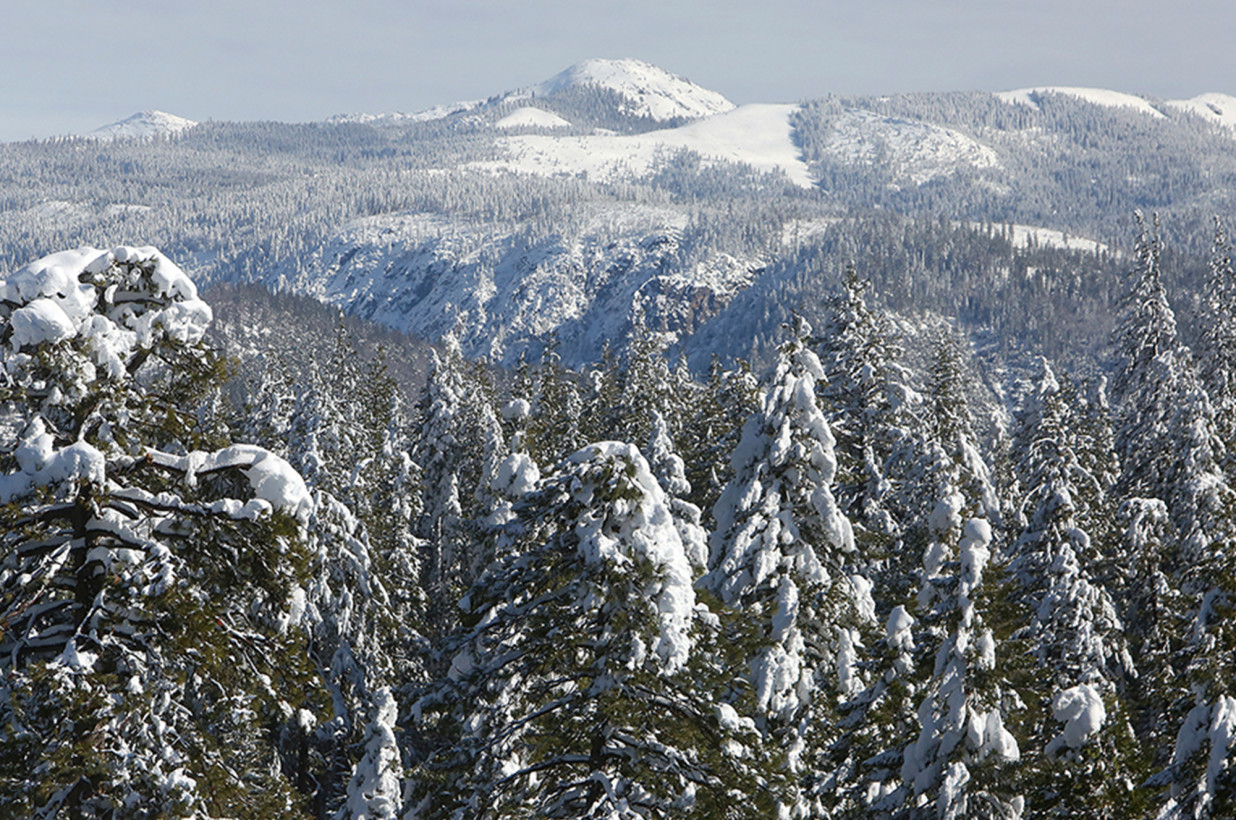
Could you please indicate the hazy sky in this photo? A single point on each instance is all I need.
(69, 66)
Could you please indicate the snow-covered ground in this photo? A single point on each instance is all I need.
(912, 149)
(1025, 236)
(1218, 108)
(1097, 96)
(532, 117)
(757, 135)
(143, 125)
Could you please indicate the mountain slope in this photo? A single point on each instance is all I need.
(756, 135)
(500, 290)
(1097, 96)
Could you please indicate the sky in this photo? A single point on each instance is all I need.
(70, 66)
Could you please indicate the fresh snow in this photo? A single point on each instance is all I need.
(431, 274)
(143, 125)
(647, 533)
(1217, 108)
(1082, 712)
(909, 149)
(532, 117)
(651, 91)
(1025, 236)
(1098, 96)
(756, 135)
(437, 112)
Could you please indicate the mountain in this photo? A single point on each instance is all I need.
(648, 91)
(617, 192)
(638, 90)
(1097, 96)
(501, 289)
(143, 125)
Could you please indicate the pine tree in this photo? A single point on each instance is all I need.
(458, 440)
(868, 400)
(956, 766)
(1151, 362)
(1074, 631)
(577, 687)
(153, 658)
(784, 553)
(1216, 348)
(555, 429)
(714, 430)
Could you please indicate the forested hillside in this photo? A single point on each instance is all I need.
(457, 221)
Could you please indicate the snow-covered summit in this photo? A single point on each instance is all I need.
(1097, 96)
(652, 91)
(143, 125)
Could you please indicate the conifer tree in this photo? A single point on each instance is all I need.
(555, 428)
(955, 766)
(578, 688)
(868, 399)
(1216, 348)
(153, 661)
(785, 553)
(714, 430)
(1074, 631)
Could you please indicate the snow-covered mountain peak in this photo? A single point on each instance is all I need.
(652, 91)
(1097, 96)
(143, 125)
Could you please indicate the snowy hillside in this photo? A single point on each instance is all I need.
(429, 275)
(1217, 108)
(645, 90)
(915, 151)
(1097, 96)
(756, 135)
(143, 125)
(528, 117)
(651, 91)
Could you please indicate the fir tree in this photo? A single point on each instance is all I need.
(1216, 348)
(578, 688)
(784, 553)
(1074, 631)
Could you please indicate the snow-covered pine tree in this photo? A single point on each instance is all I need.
(955, 767)
(1074, 631)
(555, 427)
(667, 466)
(869, 403)
(578, 688)
(1202, 506)
(1150, 364)
(1216, 347)
(150, 590)
(714, 429)
(1171, 451)
(457, 427)
(784, 554)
